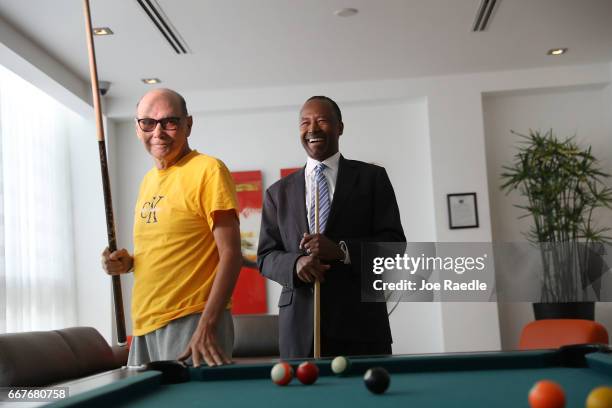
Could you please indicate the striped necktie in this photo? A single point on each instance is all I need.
(324, 204)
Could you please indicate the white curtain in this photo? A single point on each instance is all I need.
(37, 276)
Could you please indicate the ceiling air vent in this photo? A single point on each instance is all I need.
(165, 27)
(483, 15)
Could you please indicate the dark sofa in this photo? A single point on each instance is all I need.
(43, 358)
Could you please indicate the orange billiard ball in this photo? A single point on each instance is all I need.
(546, 394)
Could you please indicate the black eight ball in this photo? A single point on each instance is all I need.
(377, 380)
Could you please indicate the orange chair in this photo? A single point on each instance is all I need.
(554, 333)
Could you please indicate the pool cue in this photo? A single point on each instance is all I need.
(108, 203)
(317, 288)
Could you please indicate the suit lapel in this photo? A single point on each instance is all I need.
(347, 177)
(296, 190)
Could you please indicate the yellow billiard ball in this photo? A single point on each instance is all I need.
(600, 397)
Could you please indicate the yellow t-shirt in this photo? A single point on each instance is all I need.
(175, 255)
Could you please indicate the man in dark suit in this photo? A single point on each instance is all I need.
(356, 205)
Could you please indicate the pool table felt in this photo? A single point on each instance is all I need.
(501, 379)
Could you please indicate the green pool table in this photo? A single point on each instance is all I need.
(492, 379)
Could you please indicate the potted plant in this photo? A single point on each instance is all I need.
(564, 185)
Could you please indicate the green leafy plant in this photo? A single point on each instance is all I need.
(564, 185)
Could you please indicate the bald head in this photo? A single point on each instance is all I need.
(171, 96)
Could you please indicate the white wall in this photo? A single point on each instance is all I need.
(583, 111)
(457, 145)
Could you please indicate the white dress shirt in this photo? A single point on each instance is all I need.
(331, 175)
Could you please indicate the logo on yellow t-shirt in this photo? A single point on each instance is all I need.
(149, 210)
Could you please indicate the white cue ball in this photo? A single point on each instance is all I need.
(340, 365)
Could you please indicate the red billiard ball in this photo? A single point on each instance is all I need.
(307, 373)
(281, 373)
(546, 394)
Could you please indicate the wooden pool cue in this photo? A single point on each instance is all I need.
(317, 288)
(108, 203)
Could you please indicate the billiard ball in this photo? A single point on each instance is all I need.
(600, 397)
(307, 373)
(546, 394)
(340, 365)
(377, 380)
(281, 373)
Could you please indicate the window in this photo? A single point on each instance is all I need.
(37, 274)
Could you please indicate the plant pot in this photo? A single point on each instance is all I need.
(570, 310)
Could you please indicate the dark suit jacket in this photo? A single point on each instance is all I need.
(364, 209)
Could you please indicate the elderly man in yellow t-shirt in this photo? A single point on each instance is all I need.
(186, 243)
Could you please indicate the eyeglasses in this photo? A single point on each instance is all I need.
(149, 124)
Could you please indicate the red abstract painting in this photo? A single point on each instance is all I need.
(250, 292)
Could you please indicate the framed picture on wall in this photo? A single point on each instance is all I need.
(462, 210)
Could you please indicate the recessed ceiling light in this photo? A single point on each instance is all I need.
(557, 51)
(102, 31)
(346, 12)
(151, 81)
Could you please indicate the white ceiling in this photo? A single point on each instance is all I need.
(261, 43)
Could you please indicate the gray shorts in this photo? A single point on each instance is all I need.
(169, 342)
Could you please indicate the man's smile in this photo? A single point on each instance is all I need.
(315, 139)
(161, 143)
